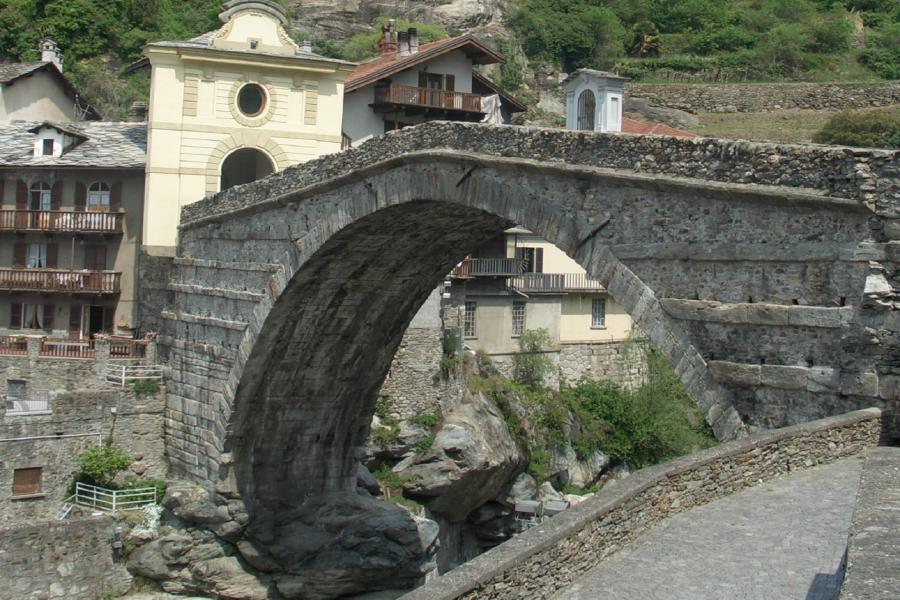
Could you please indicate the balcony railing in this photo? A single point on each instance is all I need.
(61, 221)
(119, 347)
(60, 280)
(68, 349)
(428, 98)
(11, 345)
(488, 267)
(555, 282)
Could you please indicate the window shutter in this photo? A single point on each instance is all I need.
(80, 196)
(52, 255)
(21, 195)
(423, 79)
(109, 317)
(538, 260)
(15, 315)
(95, 257)
(20, 251)
(74, 321)
(2, 189)
(49, 316)
(26, 482)
(450, 83)
(56, 195)
(115, 197)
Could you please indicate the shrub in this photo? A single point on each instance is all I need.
(144, 387)
(365, 45)
(532, 365)
(874, 128)
(103, 462)
(644, 40)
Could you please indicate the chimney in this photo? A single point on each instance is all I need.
(413, 34)
(403, 43)
(50, 53)
(388, 42)
(137, 113)
(306, 47)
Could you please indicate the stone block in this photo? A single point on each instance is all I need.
(736, 373)
(784, 377)
(889, 387)
(823, 379)
(818, 316)
(859, 384)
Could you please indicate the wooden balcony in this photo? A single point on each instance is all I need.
(393, 96)
(61, 280)
(61, 221)
(555, 283)
(488, 267)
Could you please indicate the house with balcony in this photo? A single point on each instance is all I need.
(71, 212)
(408, 83)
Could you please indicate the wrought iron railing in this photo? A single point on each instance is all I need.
(61, 280)
(488, 267)
(554, 282)
(61, 221)
(427, 97)
(39, 403)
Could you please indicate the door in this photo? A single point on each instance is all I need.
(96, 320)
(435, 85)
(75, 317)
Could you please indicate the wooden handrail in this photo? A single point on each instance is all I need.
(61, 221)
(61, 280)
(427, 97)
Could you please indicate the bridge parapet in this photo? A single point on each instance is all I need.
(868, 176)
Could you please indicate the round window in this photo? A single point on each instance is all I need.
(251, 100)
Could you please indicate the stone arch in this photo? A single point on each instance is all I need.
(245, 165)
(587, 111)
(242, 139)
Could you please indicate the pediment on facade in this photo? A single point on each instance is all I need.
(254, 25)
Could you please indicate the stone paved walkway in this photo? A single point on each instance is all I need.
(782, 540)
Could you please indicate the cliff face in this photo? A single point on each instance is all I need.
(338, 20)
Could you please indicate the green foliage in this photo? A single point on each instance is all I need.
(532, 365)
(428, 421)
(644, 40)
(103, 462)
(512, 75)
(425, 445)
(871, 128)
(145, 387)
(365, 45)
(882, 53)
(387, 478)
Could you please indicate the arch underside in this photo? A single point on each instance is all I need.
(729, 284)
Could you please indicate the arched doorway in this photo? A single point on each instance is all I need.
(244, 166)
(587, 109)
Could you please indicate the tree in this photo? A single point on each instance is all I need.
(644, 40)
(532, 365)
(103, 462)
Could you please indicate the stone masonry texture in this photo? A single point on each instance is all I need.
(290, 296)
(767, 97)
(551, 556)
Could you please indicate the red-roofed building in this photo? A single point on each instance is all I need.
(409, 83)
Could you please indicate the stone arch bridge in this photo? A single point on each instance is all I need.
(765, 274)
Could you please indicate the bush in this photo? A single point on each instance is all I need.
(726, 39)
(531, 365)
(644, 40)
(365, 45)
(145, 387)
(875, 129)
(101, 463)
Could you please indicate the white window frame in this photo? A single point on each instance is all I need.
(98, 197)
(519, 314)
(598, 317)
(40, 196)
(36, 256)
(470, 319)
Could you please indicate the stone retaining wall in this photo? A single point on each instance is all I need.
(765, 97)
(873, 563)
(70, 560)
(624, 363)
(551, 556)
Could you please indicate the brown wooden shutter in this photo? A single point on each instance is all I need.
(2, 190)
(15, 315)
(115, 197)
(538, 260)
(56, 193)
(109, 318)
(21, 195)
(52, 255)
(423, 79)
(80, 196)
(450, 83)
(20, 252)
(95, 257)
(27, 482)
(49, 316)
(74, 321)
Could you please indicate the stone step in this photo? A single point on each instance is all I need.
(789, 377)
(233, 305)
(202, 329)
(746, 313)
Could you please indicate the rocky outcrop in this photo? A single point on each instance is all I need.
(339, 21)
(471, 460)
(326, 547)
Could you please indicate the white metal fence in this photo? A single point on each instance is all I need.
(122, 375)
(112, 500)
(38, 404)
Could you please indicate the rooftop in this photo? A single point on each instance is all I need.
(106, 145)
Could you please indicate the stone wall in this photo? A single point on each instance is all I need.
(65, 560)
(77, 421)
(765, 97)
(622, 362)
(551, 556)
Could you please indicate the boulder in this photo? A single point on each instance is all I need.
(471, 460)
(642, 110)
(546, 493)
(226, 578)
(565, 467)
(366, 481)
(523, 487)
(404, 445)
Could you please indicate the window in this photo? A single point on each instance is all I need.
(27, 482)
(47, 148)
(598, 313)
(16, 389)
(254, 44)
(518, 318)
(251, 100)
(36, 257)
(33, 316)
(587, 110)
(95, 257)
(41, 196)
(469, 319)
(532, 259)
(98, 197)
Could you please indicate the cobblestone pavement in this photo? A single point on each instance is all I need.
(782, 540)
